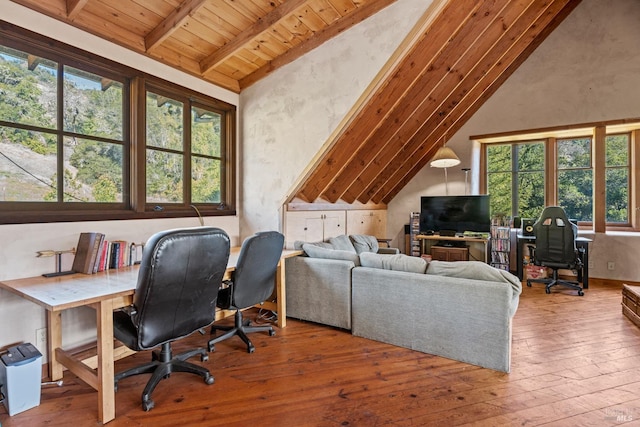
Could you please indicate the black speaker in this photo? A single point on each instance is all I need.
(517, 222)
(527, 226)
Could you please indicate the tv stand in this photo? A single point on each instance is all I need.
(478, 246)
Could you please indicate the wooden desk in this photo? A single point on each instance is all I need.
(426, 241)
(105, 292)
(582, 243)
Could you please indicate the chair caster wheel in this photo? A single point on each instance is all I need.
(272, 333)
(251, 349)
(547, 290)
(209, 380)
(211, 348)
(580, 293)
(529, 284)
(148, 405)
(204, 357)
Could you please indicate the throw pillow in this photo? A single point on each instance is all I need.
(342, 243)
(364, 243)
(399, 262)
(319, 252)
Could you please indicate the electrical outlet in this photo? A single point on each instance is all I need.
(611, 265)
(41, 340)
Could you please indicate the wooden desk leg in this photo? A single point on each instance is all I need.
(106, 386)
(54, 339)
(281, 295)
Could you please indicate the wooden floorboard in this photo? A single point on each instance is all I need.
(575, 362)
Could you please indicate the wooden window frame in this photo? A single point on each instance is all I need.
(598, 131)
(136, 82)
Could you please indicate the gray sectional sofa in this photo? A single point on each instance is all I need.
(458, 310)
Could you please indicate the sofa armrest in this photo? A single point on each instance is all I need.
(319, 290)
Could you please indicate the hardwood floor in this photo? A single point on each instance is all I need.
(576, 362)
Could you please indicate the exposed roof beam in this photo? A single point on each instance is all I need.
(459, 53)
(74, 7)
(171, 23)
(263, 24)
(506, 65)
(327, 33)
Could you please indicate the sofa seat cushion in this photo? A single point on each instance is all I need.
(399, 262)
(314, 251)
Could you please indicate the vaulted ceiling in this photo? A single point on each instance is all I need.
(231, 43)
(457, 56)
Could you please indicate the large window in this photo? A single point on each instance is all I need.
(564, 168)
(76, 142)
(515, 178)
(575, 178)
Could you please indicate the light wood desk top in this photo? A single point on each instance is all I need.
(104, 291)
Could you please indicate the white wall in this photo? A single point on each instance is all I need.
(288, 116)
(19, 318)
(587, 70)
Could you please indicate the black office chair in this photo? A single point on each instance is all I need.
(180, 274)
(251, 283)
(555, 247)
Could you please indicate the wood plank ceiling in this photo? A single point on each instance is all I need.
(458, 59)
(455, 59)
(231, 43)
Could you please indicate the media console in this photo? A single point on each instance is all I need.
(478, 246)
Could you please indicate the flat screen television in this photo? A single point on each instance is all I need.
(454, 214)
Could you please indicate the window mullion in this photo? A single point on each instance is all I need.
(598, 163)
(551, 172)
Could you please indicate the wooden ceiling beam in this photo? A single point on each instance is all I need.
(505, 66)
(480, 58)
(374, 112)
(74, 7)
(327, 33)
(262, 25)
(171, 23)
(461, 54)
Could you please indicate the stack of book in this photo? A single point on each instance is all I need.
(94, 253)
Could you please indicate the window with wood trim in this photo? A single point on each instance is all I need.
(523, 172)
(75, 144)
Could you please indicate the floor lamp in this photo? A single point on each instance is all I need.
(445, 158)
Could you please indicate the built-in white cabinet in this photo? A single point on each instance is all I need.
(321, 225)
(371, 222)
(314, 226)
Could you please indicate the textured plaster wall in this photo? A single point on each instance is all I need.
(287, 117)
(587, 70)
(20, 242)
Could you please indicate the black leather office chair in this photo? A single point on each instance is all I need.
(180, 274)
(555, 247)
(251, 283)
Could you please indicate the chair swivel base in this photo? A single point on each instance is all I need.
(240, 328)
(554, 281)
(161, 366)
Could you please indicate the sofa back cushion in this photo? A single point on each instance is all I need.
(342, 243)
(314, 251)
(399, 262)
(364, 243)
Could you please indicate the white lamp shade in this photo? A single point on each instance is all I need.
(444, 158)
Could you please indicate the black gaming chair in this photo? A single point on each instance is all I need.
(251, 283)
(180, 274)
(555, 247)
